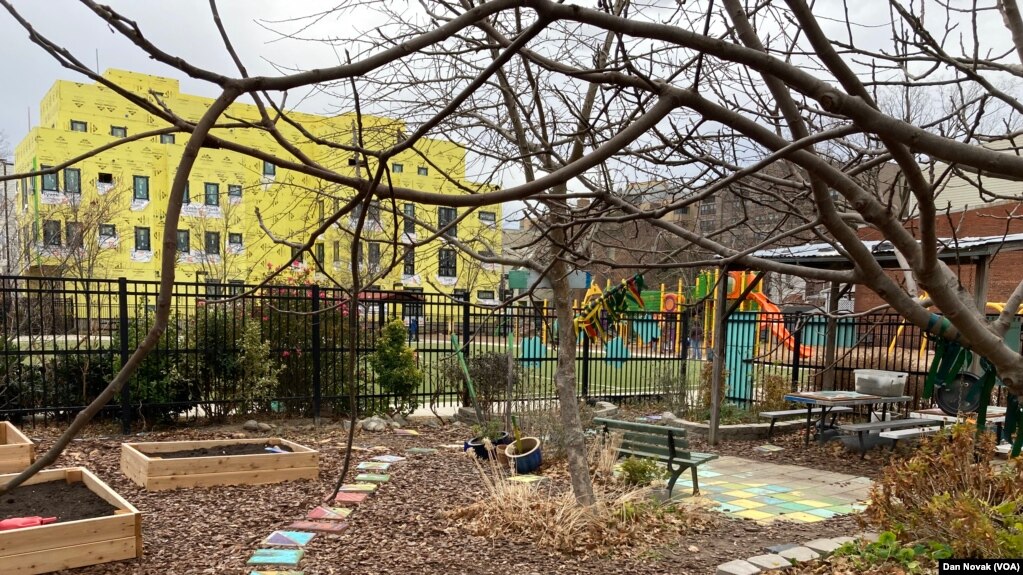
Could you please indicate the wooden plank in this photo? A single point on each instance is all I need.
(43, 476)
(230, 463)
(14, 435)
(103, 490)
(133, 466)
(43, 537)
(159, 483)
(170, 446)
(891, 424)
(16, 450)
(69, 557)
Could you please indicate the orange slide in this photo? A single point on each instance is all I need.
(777, 326)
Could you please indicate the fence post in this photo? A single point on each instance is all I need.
(465, 324)
(122, 308)
(797, 340)
(586, 365)
(317, 383)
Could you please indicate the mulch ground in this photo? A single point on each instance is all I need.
(239, 449)
(65, 501)
(400, 529)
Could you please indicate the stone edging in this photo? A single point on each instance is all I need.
(741, 430)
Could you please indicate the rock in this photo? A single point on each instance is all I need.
(800, 554)
(394, 425)
(239, 435)
(868, 536)
(374, 424)
(823, 546)
(843, 540)
(264, 426)
(668, 415)
(771, 561)
(457, 424)
(400, 420)
(431, 423)
(251, 425)
(737, 567)
(605, 409)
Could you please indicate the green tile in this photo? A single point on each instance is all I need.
(777, 488)
(792, 506)
(773, 509)
(759, 490)
(825, 513)
(721, 497)
(729, 508)
(841, 509)
(768, 500)
(787, 496)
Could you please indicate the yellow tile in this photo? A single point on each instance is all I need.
(812, 503)
(801, 517)
(747, 503)
(753, 514)
(740, 494)
(711, 482)
(756, 484)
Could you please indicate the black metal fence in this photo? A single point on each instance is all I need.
(283, 349)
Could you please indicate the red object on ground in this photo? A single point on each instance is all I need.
(19, 522)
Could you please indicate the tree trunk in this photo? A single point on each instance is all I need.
(564, 379)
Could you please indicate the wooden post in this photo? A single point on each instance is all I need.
(831, 337)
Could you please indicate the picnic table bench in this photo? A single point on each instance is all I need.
(776, 415)
(660, 443)
(861, 429)
(896, 434)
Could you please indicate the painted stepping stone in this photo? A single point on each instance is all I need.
(321, 526)
(288, 557)
(453, 446)
(406, 432)
(373, 477)
(350, 498)
(359, 487)
(421, 450)
(526, 478)
(329, 513)
(277, 573)
(373, 465)
(388, 458)
(289, 538)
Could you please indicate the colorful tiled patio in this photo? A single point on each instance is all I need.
(766, 492)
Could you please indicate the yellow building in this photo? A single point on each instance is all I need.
(104, 216)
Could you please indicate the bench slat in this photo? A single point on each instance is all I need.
(640, 427)
(787, 412)
(909, 433)
(693, 458)
(661, 450)
(891, 424)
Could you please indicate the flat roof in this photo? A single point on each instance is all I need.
(824, 255)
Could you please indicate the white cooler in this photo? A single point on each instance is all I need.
(880, 382)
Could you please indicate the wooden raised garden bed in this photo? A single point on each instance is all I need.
(16, 451)
(207, 465)
(112, 535)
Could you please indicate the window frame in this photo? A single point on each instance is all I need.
(480, 294)
(107, 227)
(79, 123)
(77, 179)
(373, 252)
(397, 168)
(184, 247)
(409, 221)
(50, 182)
(443, 220)
(215, 187)
(168, 139)
(140, 233)
(422, 171)
(234, 190)
(215, 236)
(51, 233)
(135, 187)
(409, 262)
(451, 266)
(75, 240)
(123, 131)
(321, 252)
(231, 236)
(269, 169)
(492, 222)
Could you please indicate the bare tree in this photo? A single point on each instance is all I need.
(717, 98)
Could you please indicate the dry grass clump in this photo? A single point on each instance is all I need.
(623, 521)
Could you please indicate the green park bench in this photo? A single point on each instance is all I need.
(659, 443)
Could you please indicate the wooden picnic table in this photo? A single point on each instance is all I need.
(828, 400)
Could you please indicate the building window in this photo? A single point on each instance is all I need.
(234, 190)
(212, 243)
(184, 241)
(50, 181)
(235, 239)
(187, 199)
(214, 287)
(485, 294)
(212, 197)
(51, 232)
(707, 206)
(269, 169)
(72, 180)
(166, 138)
(410, 219)
(354, 161)
(397, 168)
(447, 263)
(79, 126)
(323, 211)
(296, 255)
(104, 179)
(489, 219)
(119, 131)
(142, 239)
(337, 251)
(423, 171)
(374, 214)
(410, 262)
(236, 287)
(446, 216)
(374, 256)
(684, 210)
(141, 186)
(320, 252)
(74, 235)
(107, 231)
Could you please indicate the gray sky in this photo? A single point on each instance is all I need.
(180, 27)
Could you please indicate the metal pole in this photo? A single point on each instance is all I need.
(586, 365)
(721, 305)
(122, 307)
(317, 383)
